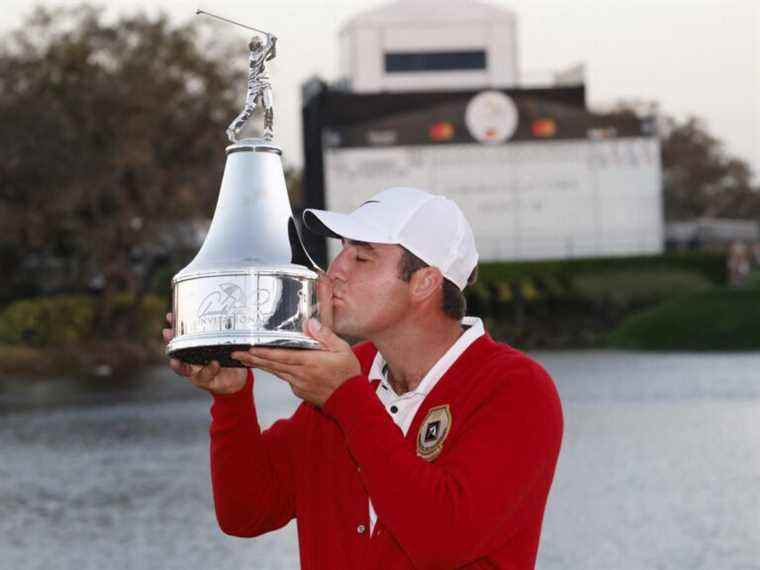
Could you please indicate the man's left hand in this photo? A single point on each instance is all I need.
(313, 375)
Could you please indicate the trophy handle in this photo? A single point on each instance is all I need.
(300, 253)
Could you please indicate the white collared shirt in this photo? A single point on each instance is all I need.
(403, 408)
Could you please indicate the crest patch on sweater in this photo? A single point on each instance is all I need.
(433, 432)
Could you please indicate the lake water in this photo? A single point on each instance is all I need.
(660, 469)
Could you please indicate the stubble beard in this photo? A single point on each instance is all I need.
(344, 325)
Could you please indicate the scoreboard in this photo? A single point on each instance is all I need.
(536, 178)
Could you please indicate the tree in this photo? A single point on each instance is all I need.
(700, 178)
(112, 138)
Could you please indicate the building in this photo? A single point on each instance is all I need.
(420, 45)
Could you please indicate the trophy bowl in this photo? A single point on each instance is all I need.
(219, 312)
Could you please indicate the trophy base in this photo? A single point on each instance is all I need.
(204, 354)
(219, 312)
(222, 353)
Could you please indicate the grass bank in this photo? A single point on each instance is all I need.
(578, 303)
(58, 335)
(719, 319)
(87, 358)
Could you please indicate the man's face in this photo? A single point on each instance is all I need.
(369, 296)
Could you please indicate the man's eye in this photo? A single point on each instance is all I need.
(361, 259)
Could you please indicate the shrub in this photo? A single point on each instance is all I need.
(720, 319)
(753, 281)
(627, 289)
(152, 317)
(477, 299)
(59, 320)
(67, 319)
(710, 265)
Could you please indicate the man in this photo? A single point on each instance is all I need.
(429, 445)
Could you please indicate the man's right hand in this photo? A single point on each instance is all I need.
(325, 287)
(212, 377)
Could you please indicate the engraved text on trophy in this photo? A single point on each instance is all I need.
(227, 308)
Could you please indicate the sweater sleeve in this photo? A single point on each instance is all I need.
(252, 472)
(465, 503)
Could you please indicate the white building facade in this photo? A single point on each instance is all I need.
(418, 45)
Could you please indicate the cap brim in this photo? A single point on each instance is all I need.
(342, 226)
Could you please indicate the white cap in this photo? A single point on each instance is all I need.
(432, 227)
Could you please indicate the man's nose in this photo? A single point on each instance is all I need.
(339, 267)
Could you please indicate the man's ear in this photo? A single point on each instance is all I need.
(425, 283)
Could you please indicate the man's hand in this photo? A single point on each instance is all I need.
(212, 377)
(325, 300)
(313, 375)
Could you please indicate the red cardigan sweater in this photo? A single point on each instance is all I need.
(478, 504)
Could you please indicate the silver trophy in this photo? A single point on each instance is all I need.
(243, 287)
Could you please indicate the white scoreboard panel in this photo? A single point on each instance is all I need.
(524, 200)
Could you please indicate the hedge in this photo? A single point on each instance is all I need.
(609, 286)
(711, 265)
(720, 319)
(68, 319)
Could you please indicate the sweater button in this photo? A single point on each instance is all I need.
(361, 529)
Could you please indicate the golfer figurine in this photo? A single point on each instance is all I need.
(259, 88)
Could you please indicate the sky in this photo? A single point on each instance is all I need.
(694, 57)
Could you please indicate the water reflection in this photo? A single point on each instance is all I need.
(659, 469)
(147, 385)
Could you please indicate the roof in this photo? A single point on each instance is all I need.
(429, 11)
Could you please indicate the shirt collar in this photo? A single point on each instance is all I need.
(473, 330)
